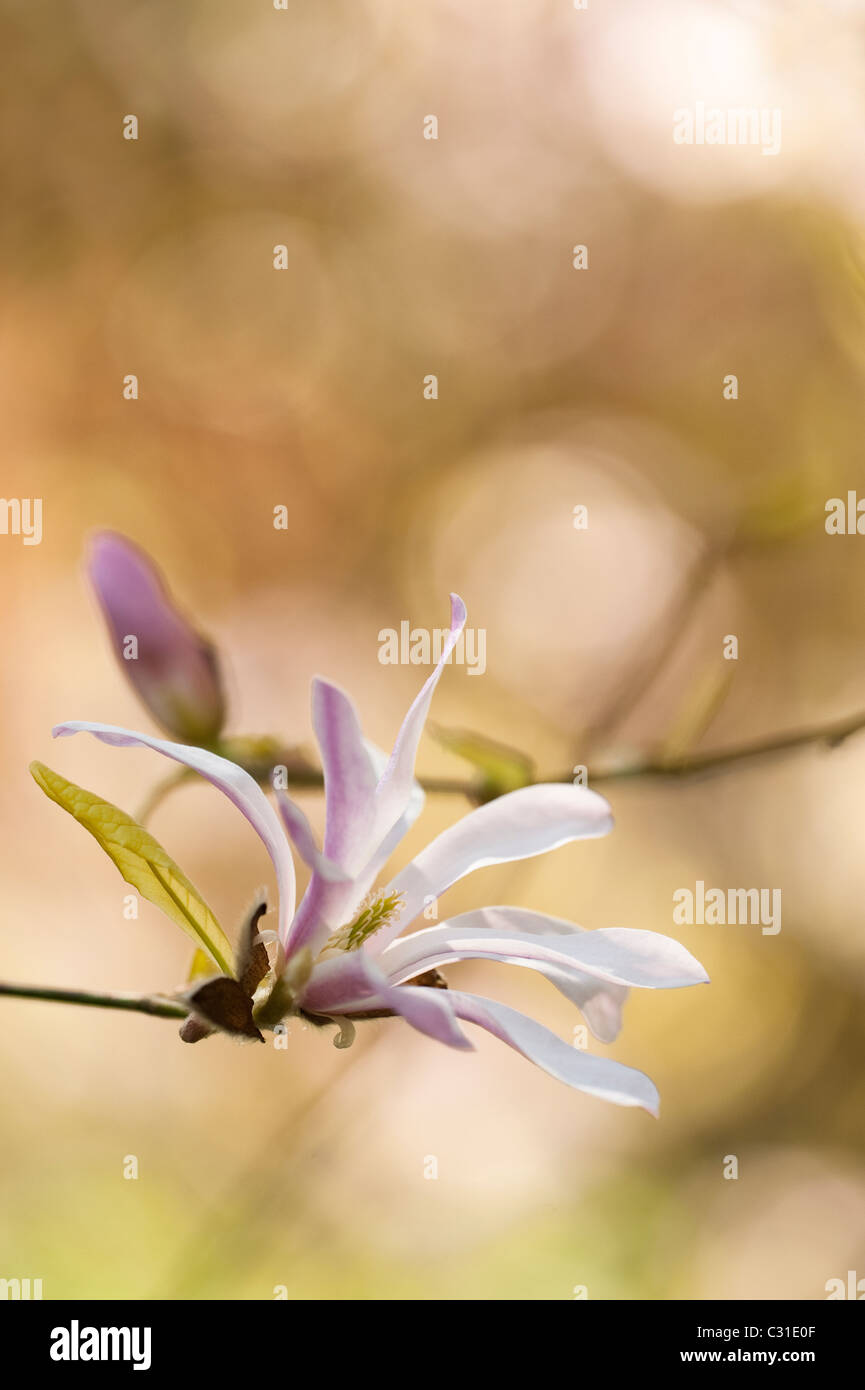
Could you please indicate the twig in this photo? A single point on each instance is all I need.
(135, 1003)
(832, 735)
(690, 765)
(159, 792)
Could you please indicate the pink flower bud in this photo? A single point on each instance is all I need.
(174, 670)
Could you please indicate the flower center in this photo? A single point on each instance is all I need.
(375, 912)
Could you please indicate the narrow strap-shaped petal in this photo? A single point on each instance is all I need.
(340, 978)
(599, 1000)
(331, 900)
(302, 837)
(382, 852)
(415, 804)
(430, 1011)
(352, 983)
(371, 799)
(326, 904)
(394, 790)
(518, 825)
(621, 955)
(597, 1076)
(241, 789)
(349, 775)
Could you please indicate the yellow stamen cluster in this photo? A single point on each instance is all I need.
(375, 912)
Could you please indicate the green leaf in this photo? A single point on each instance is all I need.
(200, 967)
(503, 769)
(142, 862)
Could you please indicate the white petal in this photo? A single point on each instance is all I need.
(518, 825)
(417, 795)
(620, 955)
(597, 1076)
(241, 789)
(394, 791)
(600, 1000)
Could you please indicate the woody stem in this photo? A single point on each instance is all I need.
(135, 1003)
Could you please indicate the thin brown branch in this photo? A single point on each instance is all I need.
(830, 735)
(154, 1004)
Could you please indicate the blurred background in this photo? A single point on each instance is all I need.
(304, 1169)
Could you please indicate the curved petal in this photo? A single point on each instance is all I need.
(241, 789)
(597, 1076)
(414, 806)
(430, 1011)
(340, 979)
(518, 825)
(599, 1000)
(324, 906)
(352, 983)
(394, 791)
(349, 775)
(618, 955)
(303, 839)
(371, 800)
(327, 904)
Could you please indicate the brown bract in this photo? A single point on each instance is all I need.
(222, 1004)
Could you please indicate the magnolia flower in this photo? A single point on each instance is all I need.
(341, 955)
(172, 667)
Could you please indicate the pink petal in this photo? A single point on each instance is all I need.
(365, 819)
(324, 906)
(303, 839)
(176, 673)
(352, 983)
(430, 1011)
(328, 905)
(349, 776)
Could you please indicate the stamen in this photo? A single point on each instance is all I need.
(375, 912)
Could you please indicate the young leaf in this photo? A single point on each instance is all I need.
(200, 967)
(142, 862)
(503, 769)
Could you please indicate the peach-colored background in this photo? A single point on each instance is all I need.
(305, 1167)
